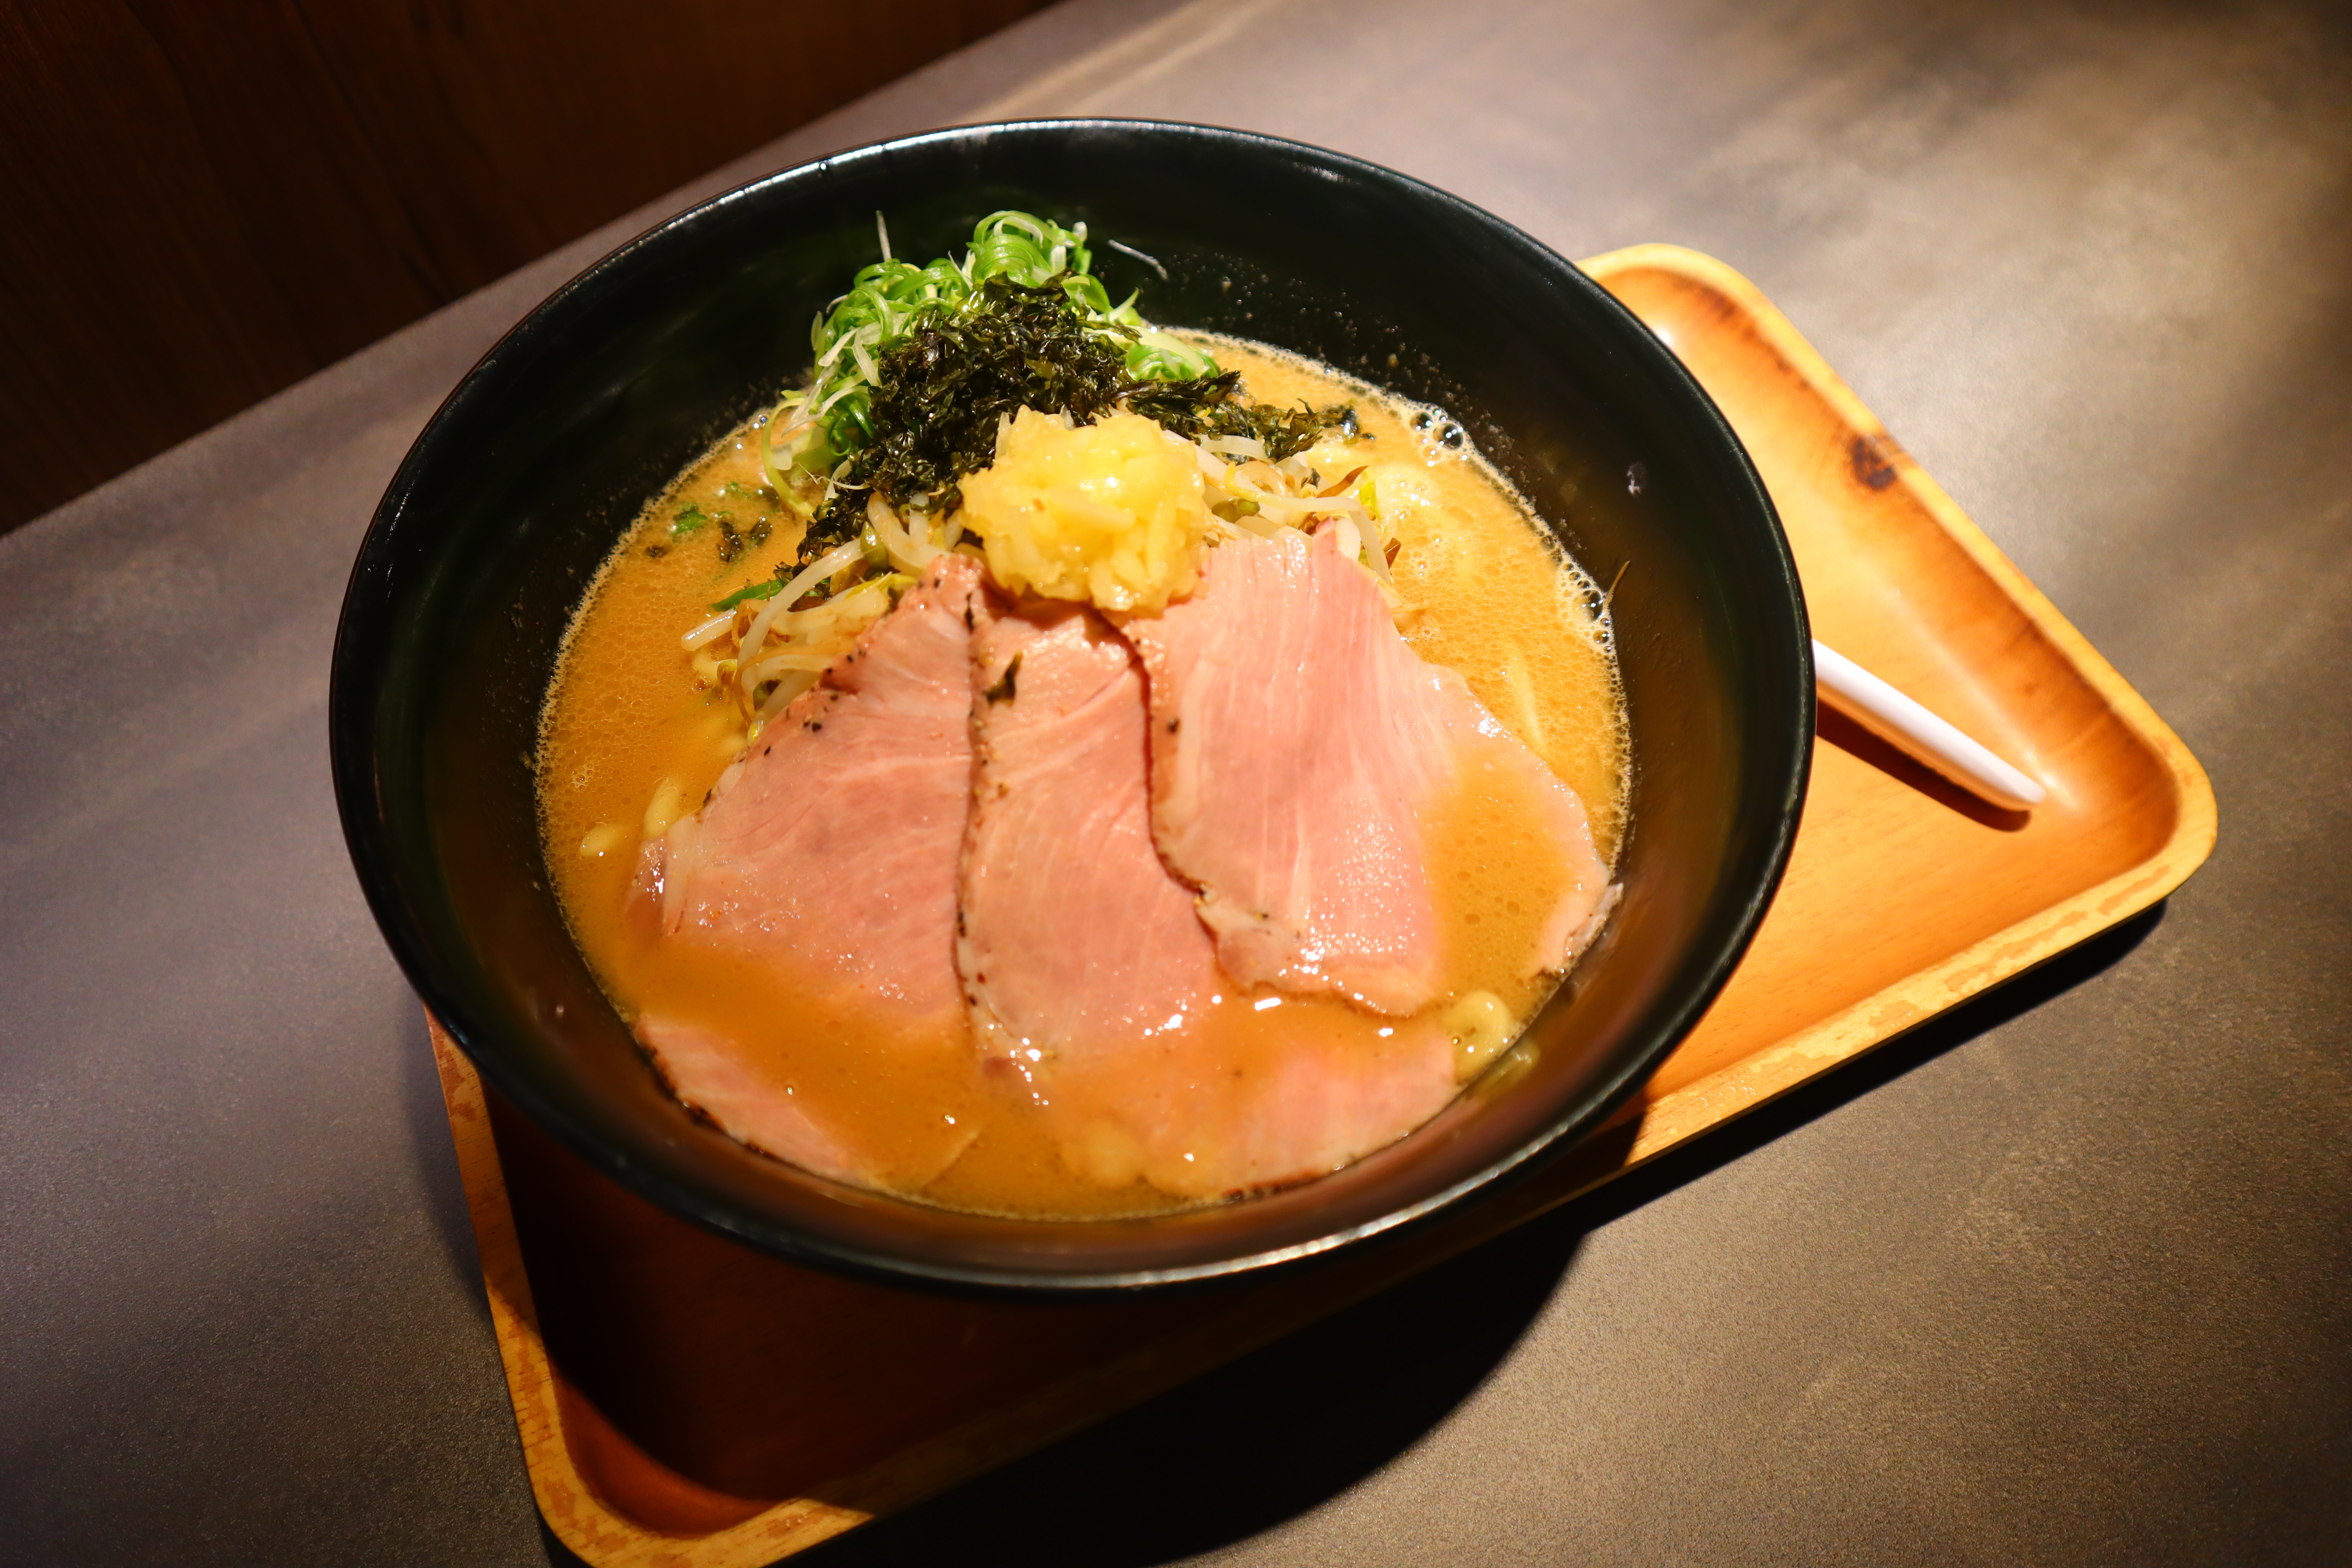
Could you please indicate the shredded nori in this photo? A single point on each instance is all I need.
(1208, 408)
(942, 389)
(734, 542)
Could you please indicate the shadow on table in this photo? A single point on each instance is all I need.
(1287, 1428)
(427, 1116)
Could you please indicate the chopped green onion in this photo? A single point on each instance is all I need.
(915, 367)
(890, 299)
(765, 588)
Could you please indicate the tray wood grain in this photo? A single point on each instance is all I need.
(689, 1403)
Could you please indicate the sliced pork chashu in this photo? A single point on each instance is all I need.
(1299, 747)
(819, 881)
(1089, 973)
(1072, 937)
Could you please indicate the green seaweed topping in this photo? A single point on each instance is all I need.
(918, 365)
(943, 389)
(890, 299)
(1209, 407)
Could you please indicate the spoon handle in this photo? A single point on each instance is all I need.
(1903, 724)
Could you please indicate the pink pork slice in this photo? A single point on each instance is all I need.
(828, 856)
(1089, 971)
(1296, 741)
(1072, 937)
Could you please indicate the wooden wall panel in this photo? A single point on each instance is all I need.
(208, 199)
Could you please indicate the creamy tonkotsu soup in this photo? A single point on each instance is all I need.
(1008, 889)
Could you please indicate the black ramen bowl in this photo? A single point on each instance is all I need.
(525, 479)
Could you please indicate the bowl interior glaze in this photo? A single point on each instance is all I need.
(523, 481)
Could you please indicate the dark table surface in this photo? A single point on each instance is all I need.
(2066, 1277)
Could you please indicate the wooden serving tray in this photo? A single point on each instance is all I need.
(688, 1403)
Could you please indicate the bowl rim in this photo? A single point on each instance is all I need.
(354, 760)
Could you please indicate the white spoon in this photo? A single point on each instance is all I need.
(1920, 734)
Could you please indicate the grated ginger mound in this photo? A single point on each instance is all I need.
(1111, 513)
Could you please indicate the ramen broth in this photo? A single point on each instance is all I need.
(631, 738)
